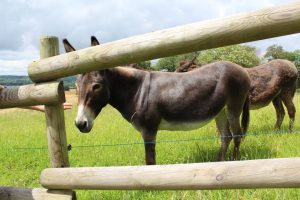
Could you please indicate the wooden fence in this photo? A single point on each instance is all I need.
(261, 24)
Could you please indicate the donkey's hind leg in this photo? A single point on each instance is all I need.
(287, 98)
(234, 121)
(277, 102)
(226, 137)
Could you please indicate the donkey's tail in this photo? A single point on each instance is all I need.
(245, 115)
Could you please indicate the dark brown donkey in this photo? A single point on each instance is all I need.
(274, 81)
(154, 101)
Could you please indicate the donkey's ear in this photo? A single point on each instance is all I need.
(94, 41)
(68, 46)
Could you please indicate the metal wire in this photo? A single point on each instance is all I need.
(285, 132)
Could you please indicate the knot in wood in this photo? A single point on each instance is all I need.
(219, 177)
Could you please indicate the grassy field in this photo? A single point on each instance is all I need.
(26, 129)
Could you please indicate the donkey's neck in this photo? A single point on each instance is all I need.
(125, 85)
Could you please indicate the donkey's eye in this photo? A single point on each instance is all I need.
(96, 87)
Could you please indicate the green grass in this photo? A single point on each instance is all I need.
(22, 167)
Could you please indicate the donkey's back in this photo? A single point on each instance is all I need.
(197, 96)
(270, 80)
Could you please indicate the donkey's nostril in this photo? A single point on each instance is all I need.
(84, 125)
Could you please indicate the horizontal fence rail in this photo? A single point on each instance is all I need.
(33, 94)
(269, 173)
(246, 27)
(12, 193)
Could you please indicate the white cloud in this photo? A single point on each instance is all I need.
(14, 67)
(16, 62)
(24, 21)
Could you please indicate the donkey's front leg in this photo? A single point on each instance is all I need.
(149, 141)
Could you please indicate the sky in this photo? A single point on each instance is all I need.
(25, 21)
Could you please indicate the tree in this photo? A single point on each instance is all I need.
(294, 56)
(243, 55)
(145, 64)
(297, 58)
(171, 63)
(168, 63)
(275, 52)
(240, 54)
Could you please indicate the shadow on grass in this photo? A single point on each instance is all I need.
(202, 154)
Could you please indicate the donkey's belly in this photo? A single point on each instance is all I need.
(258, 105)
(181, 126)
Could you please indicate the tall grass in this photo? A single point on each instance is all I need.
(22, 167)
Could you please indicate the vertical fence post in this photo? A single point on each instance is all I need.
(55, 120)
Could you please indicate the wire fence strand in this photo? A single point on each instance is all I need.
(207, 138)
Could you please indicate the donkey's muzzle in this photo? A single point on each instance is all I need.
(83, 126)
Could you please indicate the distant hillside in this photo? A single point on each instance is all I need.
(14, 80)
(69, 82)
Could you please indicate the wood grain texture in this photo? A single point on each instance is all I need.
(55, 120)
(246, 27)
(270, 173)
(12, 193)
(56, 133)
(49, 46)
(30, 95)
